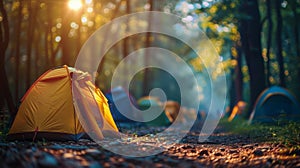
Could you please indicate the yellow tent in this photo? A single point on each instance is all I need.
(49, 109)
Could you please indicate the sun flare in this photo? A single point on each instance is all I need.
(75, 4)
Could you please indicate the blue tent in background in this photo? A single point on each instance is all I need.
(125, 102)
(275, 104)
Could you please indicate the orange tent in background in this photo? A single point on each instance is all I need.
(49, 110)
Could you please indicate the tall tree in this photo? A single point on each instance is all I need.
(49, 43)
(279, 44)
(269, 40)
(32, 8)
(4, 39)
(115, 14)
(47, 28)
(250, 31)
(37, 56)
(78, 40)
(50, 48)
(236, 89)
(146, 79)
(126, 41)
(17, 47)
(296, 35)
(296, 28)
(65, 40)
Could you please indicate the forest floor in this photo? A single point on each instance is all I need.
(223, 148)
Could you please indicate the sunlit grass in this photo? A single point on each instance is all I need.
(284, 132)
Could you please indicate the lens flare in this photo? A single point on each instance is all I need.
(75, 4)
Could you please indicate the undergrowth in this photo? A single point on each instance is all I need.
(3, 128)
(284, 132)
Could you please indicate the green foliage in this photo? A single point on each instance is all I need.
(56, 22)
(4, 130)
(283, 132)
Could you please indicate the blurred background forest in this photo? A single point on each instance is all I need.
(257, 40)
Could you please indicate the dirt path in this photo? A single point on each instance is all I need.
(220, 150)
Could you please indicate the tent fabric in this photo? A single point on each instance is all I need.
(126, 105)
(172, 110)
(124, 101)
(48, 111)
(92, 105)
(46, 135)
(162, 120)
(273, 104)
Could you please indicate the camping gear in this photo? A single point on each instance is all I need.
(145, 102)
(238, 109)
(49, 109)
(172, 109)
(126, 104)
(275, 104)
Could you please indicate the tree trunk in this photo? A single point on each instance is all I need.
(78, 42)
(46, 45)
(269, 40)
(238, 76)
(297, 43)
(37, 47)
(65, 41)
(29, 42)
(4, 38)
(125, 44)
(236, 94)
(101, 65)
(250, 29)
(296, 28)
(18, 34)
(28, 51)
(49, 43)
(32, 8)
(146, 80)
(279, 44)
